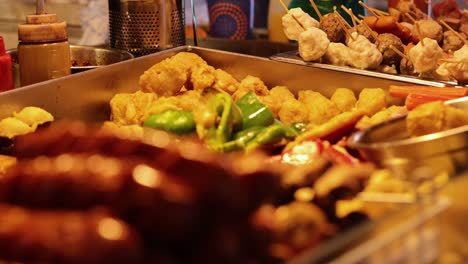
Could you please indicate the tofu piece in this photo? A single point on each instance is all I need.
(372, 100)
(344, 99)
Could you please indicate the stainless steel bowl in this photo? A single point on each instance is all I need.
(389, 145)
(86, 58)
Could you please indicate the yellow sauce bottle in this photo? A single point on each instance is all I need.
(43, 49)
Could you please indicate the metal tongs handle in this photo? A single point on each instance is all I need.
(194, 23)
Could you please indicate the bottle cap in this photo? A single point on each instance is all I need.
(42, 27)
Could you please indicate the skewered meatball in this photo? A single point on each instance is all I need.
(384, 41)
(329, 23)
(428, 28)
(452, 42)
(406, 67)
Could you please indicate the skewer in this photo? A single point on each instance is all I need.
(368, 8)
(340, 17)
(287, 11)
(399, 52)
(380, 12)
(453, 30)
(350, 14)
(419, 35)
(410, 17)
(316, 9)
(361, 16)
(348, 33)
(374, 34)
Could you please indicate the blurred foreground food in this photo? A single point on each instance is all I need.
(80, 194)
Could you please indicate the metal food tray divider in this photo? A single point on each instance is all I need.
(85, 96)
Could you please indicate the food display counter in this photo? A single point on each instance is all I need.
(402, 225)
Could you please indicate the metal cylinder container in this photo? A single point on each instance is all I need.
(142, 27)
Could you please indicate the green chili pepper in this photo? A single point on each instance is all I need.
(217, 122)
(254, 112)
(175, 121)
(300, 127)
(272, 135)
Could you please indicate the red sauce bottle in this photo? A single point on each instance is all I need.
(6, 69)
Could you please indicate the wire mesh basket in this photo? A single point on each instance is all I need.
(143, 27)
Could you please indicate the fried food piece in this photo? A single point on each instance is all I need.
(452, 42)
(6, 162)
(276, 97)
(337, 54)
(293, 111)
(344, 99)
(313, 44)
(363, 53)
(458, 68)
(202, 77)
(428, 28)
(250, 83)
(321, 109)
(291, 28)
(434, 117)
(300, 225)
(130, 131)
(11, 127)
(167, 77)
(131, 108)
(372, 100)
(34, 116)
(381, 116)
(425, 55)
(66, 237)
(225, 82)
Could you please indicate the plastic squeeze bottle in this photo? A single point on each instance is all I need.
(43, 49)
(6, 68)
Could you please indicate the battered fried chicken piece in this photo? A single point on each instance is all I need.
(250, 83)
(321, 109)
(202, 77)
(276, 97)
(434, 117)
(131, 108)
(372, 100)
(167, 77)
(293, 111)
(225, 82)
(344, 99)
(392, 111)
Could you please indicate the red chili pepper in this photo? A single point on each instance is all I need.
(6, 69)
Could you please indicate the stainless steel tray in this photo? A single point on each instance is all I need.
(85, 96)
(293, 57)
